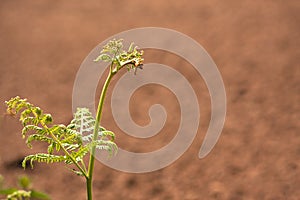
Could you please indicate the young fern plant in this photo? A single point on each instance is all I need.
(71, 143)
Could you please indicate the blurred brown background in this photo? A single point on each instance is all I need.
(255, 44)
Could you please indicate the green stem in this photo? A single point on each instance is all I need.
(89, 179)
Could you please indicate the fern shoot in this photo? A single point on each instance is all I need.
(70, 143)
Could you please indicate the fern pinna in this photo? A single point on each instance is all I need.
(67, 144)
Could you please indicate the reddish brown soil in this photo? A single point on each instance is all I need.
(256, 47)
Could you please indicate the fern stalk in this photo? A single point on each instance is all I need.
(89, 178)
(118, 58)
(131, 59)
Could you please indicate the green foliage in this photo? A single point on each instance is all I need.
(39, 195)
(70, 143)
(43, 157)
(114, 53)
(75, 140)
(84, 123)
(24, 182)
(24, 193)
(19, 195)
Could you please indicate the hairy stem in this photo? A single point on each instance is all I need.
(89, 179)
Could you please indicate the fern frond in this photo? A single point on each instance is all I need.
(87, 138)
(84, 123)
(106, 133)
(14, 105)
(29, 112)
(38, 137)
(43, 157)
(75, 140)
(71, 147)
(113, 52)
(107, 145)
(35, 123)
(29, 120)
(38, 130)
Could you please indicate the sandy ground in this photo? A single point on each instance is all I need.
(256, 47)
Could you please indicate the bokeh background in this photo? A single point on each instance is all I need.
(255, 45)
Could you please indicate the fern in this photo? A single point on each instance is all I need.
(71, 143)
(84, 123)
(38, 137)
(75, 140)
(43, 157)
(113, 52)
